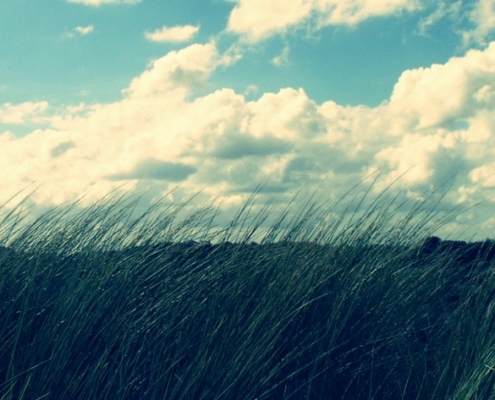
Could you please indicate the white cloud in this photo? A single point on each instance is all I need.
(84, 30)
(482, 17)
(102, 2)
(423, 160)
(443, 9)
(19, 114)
(283, 58)
(251, 90)
(258, 19)
(173, 34)
(440, 94)
(342, 12)
(439, 122)
(288, 115)
(254, 19)
(182, 70)
(80, 31)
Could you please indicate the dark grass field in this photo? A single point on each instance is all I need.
(91, 308)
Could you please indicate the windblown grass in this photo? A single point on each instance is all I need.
(106, 304)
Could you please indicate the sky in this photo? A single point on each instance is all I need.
(146, 97)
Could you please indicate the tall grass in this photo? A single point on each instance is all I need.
(105, 303)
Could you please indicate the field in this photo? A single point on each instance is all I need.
(103, 304)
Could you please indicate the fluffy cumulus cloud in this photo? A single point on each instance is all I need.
(19, 114)
(442, 95)
(438, 124)
(179, 71)
(102, 2)
(254, 18)
(173, 34)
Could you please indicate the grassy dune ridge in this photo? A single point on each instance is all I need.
(104, 304)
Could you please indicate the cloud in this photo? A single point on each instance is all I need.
(423, 160)
(251, 90)
(338, 12)
(22, 113)
(283, 58)
(473, 20)
(439, 123)
(81, 31)
(157, 170)
(96, 3)
(173, 34)
(482, 16)
(84, 30)
(181, 70)
(444, 93)
(236, 146)
(254, 19)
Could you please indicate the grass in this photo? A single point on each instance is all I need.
(105, 303)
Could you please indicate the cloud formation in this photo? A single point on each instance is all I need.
(443, 9)
(283, 58)
(255, 20)
(173, 34)
(84, 30)
(439, 123)
(443, 94)
(180, 71)
(482, 16)
(80, 31)
(18, 114)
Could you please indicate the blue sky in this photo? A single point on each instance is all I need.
(218, 95)
(45, 58)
